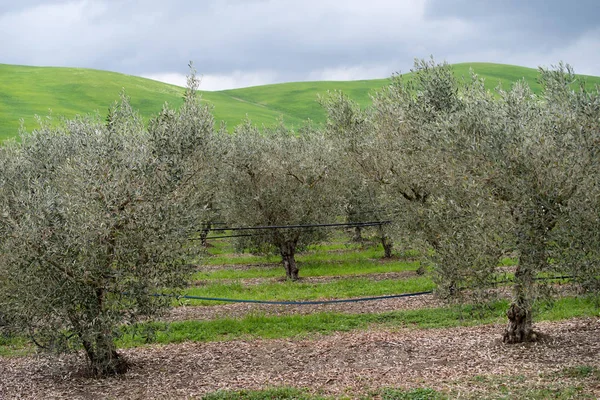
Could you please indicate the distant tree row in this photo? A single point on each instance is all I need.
(97, 216)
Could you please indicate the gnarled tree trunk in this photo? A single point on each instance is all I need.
(103, 357)
(533, 258)
(387, 244)
(204, 233)
(287, 251)
(357, 237)
(98, 342)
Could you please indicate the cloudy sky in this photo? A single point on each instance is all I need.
(237, 43)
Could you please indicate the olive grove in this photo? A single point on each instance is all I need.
(476, 174)
(280, 178)
(98, 217)
(360, 153)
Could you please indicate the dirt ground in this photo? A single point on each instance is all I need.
(342, 364)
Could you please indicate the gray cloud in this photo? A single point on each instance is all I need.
(238, 42)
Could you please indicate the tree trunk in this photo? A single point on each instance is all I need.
(98, 343)
(287, 251)
(532, 241)
(357, 235)
(532, 259)
(103, 357)
(204, 233)
(387, 244)
(520, 327)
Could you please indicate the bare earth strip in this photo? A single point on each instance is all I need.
(342, 364)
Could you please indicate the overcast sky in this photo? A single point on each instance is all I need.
(237, 43)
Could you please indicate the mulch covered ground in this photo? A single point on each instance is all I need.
(341, 364)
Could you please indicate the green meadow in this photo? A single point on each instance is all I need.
(28, 91)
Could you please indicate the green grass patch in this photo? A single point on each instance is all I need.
(260, 326)
(581, 372)
(522, 387)
(11, 346)
(276, 327)
(313, 268)
(28, 91)
(412, 394)
(221, 253)
(289, 291)
(265, 394)
(284, 393)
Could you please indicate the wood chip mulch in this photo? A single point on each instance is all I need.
(342, 364)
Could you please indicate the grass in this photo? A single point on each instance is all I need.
(259, 326)
(28, 91)
(562, 385)
(413, 394)
(312, 269)
(289, 291)
(480, 387)
(320, 253)
(265, 394)
(299, 394)
(12, 346)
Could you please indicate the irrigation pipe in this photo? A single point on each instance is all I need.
(341, 224)
(300, 303)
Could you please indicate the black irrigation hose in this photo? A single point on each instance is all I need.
(317, 302)
(300, 303)
(234, 236)
(341, 224)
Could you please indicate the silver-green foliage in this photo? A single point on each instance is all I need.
(542, 158)
(278, 178)
(95, 218)
(405, 149)
(364, 168)
(472, 174)
(510, 170)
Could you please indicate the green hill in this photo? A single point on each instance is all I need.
(27, 91)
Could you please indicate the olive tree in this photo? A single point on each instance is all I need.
(517, 170)
(441, 203)
(95, 218)
(540, 157)
(279, 178)
(364, 157)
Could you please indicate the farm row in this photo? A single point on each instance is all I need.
(483, 198)
(391, 349)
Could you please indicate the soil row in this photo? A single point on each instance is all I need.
(342, 364)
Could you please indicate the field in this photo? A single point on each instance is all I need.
(399, 348)
(30, 91)
(355, 325)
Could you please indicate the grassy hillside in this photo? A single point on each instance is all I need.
(27, 91)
